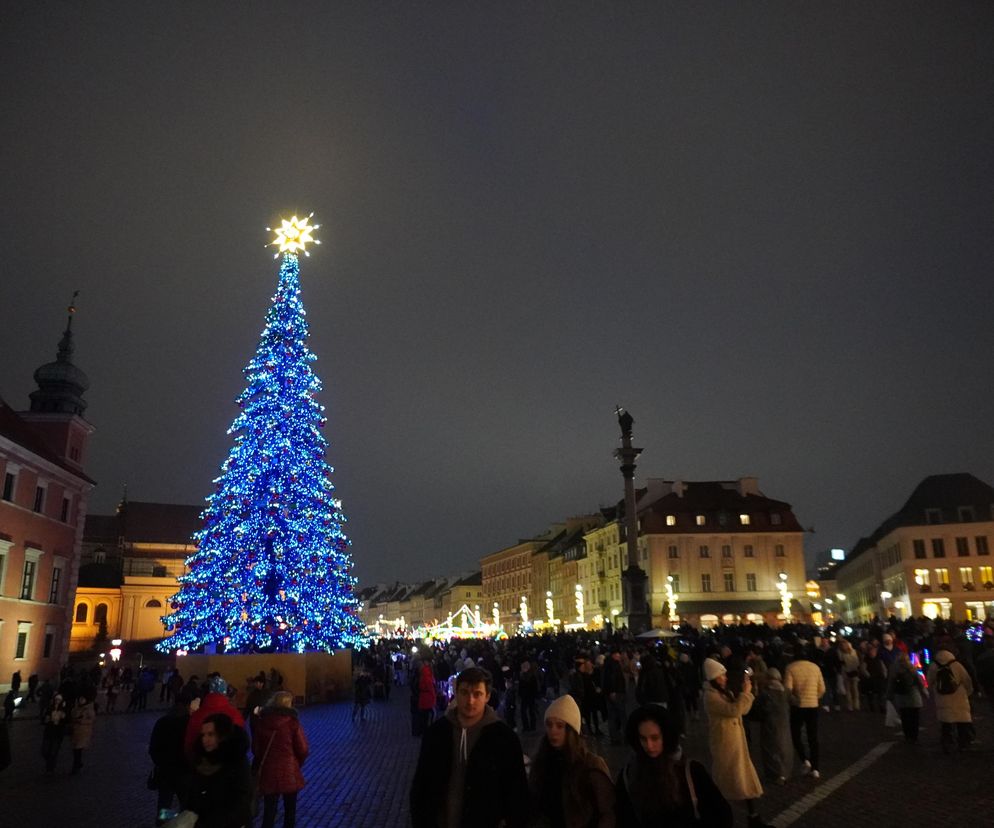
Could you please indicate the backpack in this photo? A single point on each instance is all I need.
(945, 681)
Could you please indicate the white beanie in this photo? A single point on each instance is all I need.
(713, 669)
(565, 709)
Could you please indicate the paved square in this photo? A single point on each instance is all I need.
(359, 773)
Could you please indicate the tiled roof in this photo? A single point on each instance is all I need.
(945, 492)
(23, 433)
(718, 501)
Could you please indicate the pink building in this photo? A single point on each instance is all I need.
(42, 510)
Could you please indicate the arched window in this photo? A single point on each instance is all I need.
(100, 614)
(81, 610)
(153, 602)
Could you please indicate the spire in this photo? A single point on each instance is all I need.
(61, 384)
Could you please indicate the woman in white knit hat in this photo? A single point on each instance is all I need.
(731, 767)
(571, 787)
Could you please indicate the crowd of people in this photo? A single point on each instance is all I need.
(472, 702)
(753, 682)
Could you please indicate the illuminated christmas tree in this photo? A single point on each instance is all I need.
(272, 571)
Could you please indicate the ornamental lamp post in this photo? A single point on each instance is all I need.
(633, 579)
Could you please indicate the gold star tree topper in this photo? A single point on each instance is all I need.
(294, 235)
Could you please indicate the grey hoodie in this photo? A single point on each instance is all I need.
(464, 739)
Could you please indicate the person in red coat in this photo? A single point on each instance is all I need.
(279, 748)
(216, 701)
(426, 696)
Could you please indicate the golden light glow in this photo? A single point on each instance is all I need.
(294, 235)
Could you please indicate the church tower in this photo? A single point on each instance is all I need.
(57, 405)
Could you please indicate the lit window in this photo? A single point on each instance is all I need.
(671, 520)
(987, 577)
(942, 579)
(701, 520)
(676, 582)
(744, 520)
(966, 577)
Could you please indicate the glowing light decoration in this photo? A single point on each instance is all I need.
(550, 608)
(294, 235)
(578, 600)
(785, 596)
(523, 609)
(272, 569)
(496, 615)
(671, 599)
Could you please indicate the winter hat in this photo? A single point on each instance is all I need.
(216, 684)
(564, 708)
(713, 669)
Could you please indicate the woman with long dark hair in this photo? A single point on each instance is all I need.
(570, 786)
(220, 791)
(655, 789)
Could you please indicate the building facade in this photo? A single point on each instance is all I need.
(131, 561)
(931, 558)
(42, 511)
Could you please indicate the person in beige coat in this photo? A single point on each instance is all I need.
(731, 767)
(952, 709)
(82, 716)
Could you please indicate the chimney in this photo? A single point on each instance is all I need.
(748, 486)
(655, 488)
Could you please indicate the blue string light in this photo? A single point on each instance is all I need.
(272, 571)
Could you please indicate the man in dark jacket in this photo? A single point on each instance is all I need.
(614, 688)
(165, 746)
(470, 771)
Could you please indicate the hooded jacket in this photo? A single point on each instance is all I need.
(951, 707)
(220, 786)
(493, 790)
(212, 703)
(279, 748)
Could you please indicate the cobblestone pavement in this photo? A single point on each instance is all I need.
(359, 774)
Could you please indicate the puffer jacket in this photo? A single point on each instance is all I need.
(279, 748)
(804, 682)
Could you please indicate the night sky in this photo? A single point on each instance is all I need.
(765, 229)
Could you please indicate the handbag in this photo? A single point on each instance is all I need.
(255, 778)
